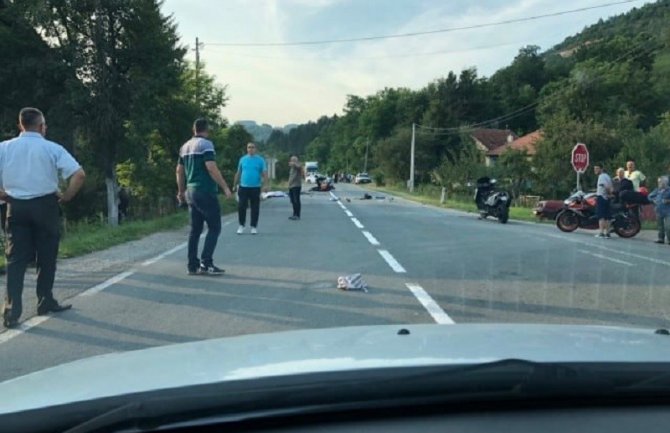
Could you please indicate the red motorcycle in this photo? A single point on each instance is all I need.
(579, 211)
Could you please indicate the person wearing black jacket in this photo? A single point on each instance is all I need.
(622, 185)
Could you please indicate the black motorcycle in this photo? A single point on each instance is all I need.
(491, 202)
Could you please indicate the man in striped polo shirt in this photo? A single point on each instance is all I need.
(198, 179)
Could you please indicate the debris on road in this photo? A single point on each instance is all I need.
(352, 282)
(271, 194)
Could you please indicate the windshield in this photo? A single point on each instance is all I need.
(201, 169)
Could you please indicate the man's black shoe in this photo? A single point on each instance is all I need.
(53, 307)
(10, 323)
(210, 270)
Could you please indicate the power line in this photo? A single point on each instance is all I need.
(413, 34)
(459, 129)
(631, 54)
(390, 56)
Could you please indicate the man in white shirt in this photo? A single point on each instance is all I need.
(634, 175)
(604, 190)
(30, 170)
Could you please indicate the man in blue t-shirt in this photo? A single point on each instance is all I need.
(251, 175)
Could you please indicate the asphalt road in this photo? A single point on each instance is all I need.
(422, 265)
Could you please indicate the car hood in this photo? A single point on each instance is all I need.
(325, 350)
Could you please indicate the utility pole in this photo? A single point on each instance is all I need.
(367, 146)
(198, 45)
(411, 164)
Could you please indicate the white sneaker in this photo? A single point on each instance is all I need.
(240, 230)
(254, 231)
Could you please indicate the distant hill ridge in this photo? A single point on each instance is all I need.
(262, 132)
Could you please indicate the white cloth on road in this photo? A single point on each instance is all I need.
(352, 282)
(271, 194)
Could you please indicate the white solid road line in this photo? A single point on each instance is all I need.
(437, 313)
(370, 238)
(357, 223)
(165, 254)
(102, 286)
(34, 321)
(23, 327)
(37, 320)
(611, 259)
(393, 263)
(177, 248)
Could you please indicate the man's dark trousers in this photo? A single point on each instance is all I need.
(249, 195)
(204, 208)
(33, 232)
(294, 194)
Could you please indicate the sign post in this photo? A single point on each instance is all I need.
(580, 160)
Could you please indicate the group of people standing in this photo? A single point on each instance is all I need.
(607, 191)
(198, 180)
(628, 187)
(32, 167)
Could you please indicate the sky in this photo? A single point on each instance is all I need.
(295, 84)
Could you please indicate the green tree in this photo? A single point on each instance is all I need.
(460, 169)
(32, 74)
(106, 42)
(555, 175)
(516, 171)
(518, 86)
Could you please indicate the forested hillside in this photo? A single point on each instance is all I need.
(608, 87)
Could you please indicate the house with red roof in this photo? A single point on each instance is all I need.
(526, 143)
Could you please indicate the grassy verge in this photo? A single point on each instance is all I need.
(433, 198)
(87, 238)
(82, 238)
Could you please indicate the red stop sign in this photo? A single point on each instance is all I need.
(580, 157)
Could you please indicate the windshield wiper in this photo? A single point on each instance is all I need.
(119, 415)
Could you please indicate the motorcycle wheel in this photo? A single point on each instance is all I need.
(629, 227)
(503, 213)
(567, 221)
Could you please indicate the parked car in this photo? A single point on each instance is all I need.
(362, 178)
(548, 209)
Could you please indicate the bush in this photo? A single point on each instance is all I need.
(378, 177)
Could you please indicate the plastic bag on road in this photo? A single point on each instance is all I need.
(352, 282)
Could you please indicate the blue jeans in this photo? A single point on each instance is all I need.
(663, 224)
(603, 208)
(203, 208)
